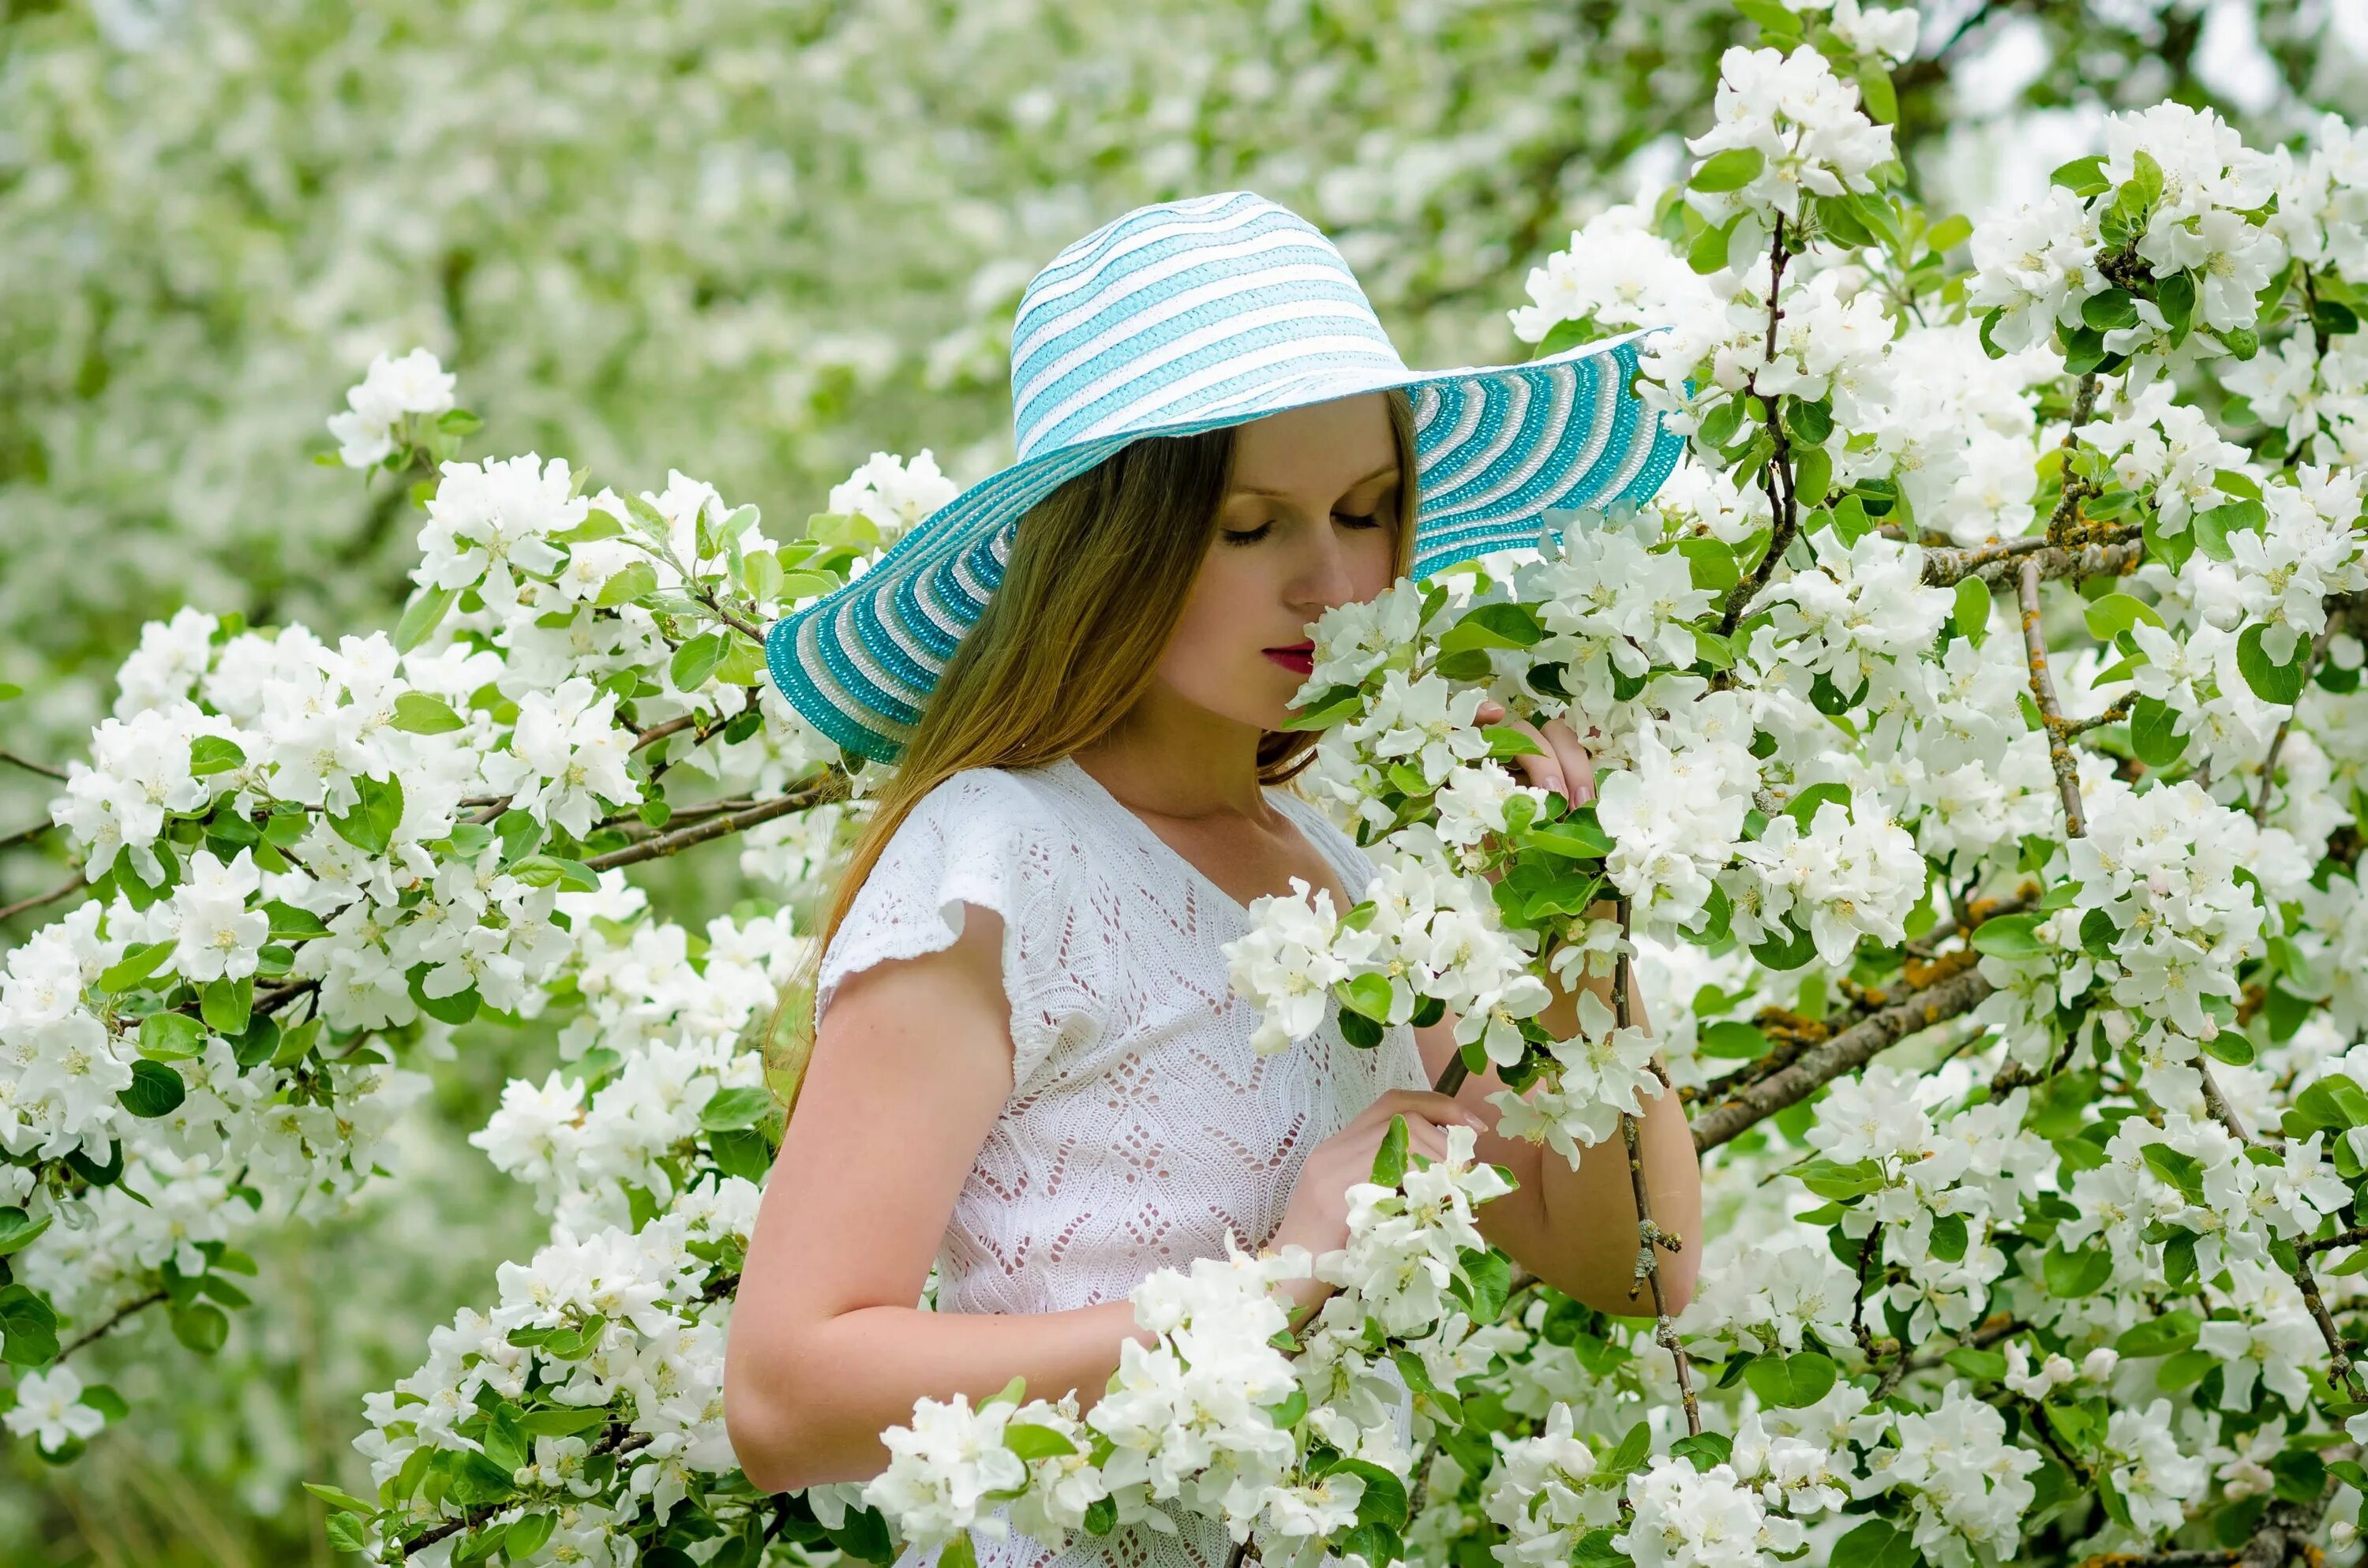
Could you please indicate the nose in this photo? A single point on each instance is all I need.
(1323, 581)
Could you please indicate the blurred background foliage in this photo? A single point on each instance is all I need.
(753, 240)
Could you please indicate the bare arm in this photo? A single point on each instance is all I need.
(1576, 1228)
(827, 1349)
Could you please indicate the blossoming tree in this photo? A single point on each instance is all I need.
(1978, 721)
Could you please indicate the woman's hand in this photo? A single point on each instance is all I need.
(1317, 1217)
(1562, 762)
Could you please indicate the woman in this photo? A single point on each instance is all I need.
(1027, 1066)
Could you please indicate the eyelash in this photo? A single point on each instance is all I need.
(1251, 536)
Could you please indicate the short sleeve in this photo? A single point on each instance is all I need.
(981, 837)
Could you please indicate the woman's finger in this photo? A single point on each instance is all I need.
(1578, 762)
(1552, 766)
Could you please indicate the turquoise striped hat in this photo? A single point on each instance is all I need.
(1182, 316)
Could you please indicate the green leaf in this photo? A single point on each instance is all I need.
(2116, 613)
(1948, 1237)
(1711, 564)
(336, 1498)
(1704, 1449)
(1384, 1499)
(1505, 740)
(2166, 1336)
(377, 811)
(744, 1107)
(1390, 1158)
(1876, 1543)
(1791, 1381)
(599, 523)
(741, 1152)
(1881, 98)
(1973, 614)
(2010, 936)
(634, 581)
(1805, 806)
(201, 1327)
(1981, 1366)
(346, 1532)
(1810, 421)
(1840, 1182)
(154, 1090)
(1494, 626)
(1033, 1442)
(1730, 170)
(19, 1228)
(959, 1552)
(743, 663)
(422, 616)
(2152, 735)
(695, 660)
(1949, 233)
(564, 1422)
(527, 1534)
(422, 713)
(28, 1326)
(1578, 836)
(225, 1004)
(2113, 309)
(2334, 1101)
(2071, 1275)
(209, 755)
(1739, 1041)
(2271, 681)
(2184, 1172)
(139, 961)
(1707, 253)
(1367, 993)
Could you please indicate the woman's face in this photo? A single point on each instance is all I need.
(1310, 522)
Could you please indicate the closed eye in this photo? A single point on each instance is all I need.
(1252, 536)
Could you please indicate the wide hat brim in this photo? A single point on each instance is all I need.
(1496, 446)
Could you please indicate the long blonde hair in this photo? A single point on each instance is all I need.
(1097, 577)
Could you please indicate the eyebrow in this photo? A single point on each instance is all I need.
(1390, 470)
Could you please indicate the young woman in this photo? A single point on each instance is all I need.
(1027, 1064)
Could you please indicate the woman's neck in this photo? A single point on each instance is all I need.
(1172, 758)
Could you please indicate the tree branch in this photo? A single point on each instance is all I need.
(824, 786)
(1852, 1048)
(2043, 689)
(62, 890)
(30, 765)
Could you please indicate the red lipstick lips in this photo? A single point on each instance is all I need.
(1299, 658)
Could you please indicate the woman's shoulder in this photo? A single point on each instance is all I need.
(989, 807)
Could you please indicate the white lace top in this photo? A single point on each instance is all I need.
(1141, 1127)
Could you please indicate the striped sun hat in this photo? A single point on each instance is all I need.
(1182, 316)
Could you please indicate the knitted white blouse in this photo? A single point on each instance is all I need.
(1141, 1127)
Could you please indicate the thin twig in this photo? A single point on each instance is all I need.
(30, 765)
(62, 890)
(27, 836)
(1650, 1238)
(2278, 741)
(2043, 689)
(1783, 507)
(111, 1323)
(2340, 1374)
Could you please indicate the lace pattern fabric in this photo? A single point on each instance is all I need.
(1141, 1127)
